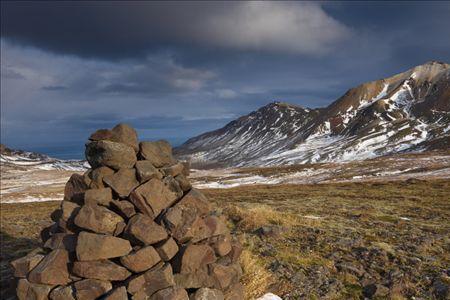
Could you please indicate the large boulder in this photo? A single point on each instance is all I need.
(159, 153)
(51, 270)
(110, 154)
(97, 219)
(100, 269)
(91, 246)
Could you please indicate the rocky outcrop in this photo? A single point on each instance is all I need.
(132, 227)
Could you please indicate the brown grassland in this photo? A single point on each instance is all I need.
(386, 240)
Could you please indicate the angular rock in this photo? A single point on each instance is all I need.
(216, 226)
(151, 281)
(69, 210)
(119, 293)
(146, 171)
(25, 264)
(173, 170)
(100, 269)
(222, 245)
(122, 182)
(32, 291)
(159, 153)
(51, 270)
(184, 219)
(236, 250)
(98, 219)
(124, 208)
(183, 182)
(173, 186)
(224, 276)
(193, 257)
(141, 260)
(110, 154)
(194, 280)
(91, 246)
(167, 249)
(120, 228)
(75, 188)
(125, 134)
(62, 293)
(91, 289)
(153, 196)
(100, 196)
(142, 228)
(208, 294)
(171, 293)
(235, 292)
(97, 175)
(62, 241)
(102, 134)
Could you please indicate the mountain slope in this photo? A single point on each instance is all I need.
(24, 159)
(408, 111)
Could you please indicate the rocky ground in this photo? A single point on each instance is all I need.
(381, 240)
(382, 235)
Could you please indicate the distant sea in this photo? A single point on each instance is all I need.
(76, 151)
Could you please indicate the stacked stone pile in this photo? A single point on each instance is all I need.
(132, 227)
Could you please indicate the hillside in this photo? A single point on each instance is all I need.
(409, 111)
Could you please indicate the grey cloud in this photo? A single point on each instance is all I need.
(54, 88)
(133, 29)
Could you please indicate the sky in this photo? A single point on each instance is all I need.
(174, 70)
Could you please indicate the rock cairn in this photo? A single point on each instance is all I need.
(132, 227)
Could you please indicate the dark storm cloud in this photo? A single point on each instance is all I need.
(177, 69)
(132, 29)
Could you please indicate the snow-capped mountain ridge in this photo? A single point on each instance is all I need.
(20, 158)
(408, 111)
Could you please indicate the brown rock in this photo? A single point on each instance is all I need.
(173, 186)
(151, 281)
(25, 264)
(208, 294)
(102, 134)
(224, 276)
(62, 241)
(91, 289)
(236, 250)
(48, 231)
(122, 182)
(101, 196)
(144, 229)
(146, 171)
(74, 189)
(97, 175)
(123, 133)
(173, 170)
(235, 292)
(183, 182)
(100, 269)
(194, 280)
(216, 226)
(91, 246)
(193, 257)
(155, 196)
(120, 228)
(69, 210)
(159, 153)
(119, 293)
(32, 291)
(141, 260)
(110, 154)
(186, 168)
(52, 270)
(222, 245)
(184, 219)
(62, 293)
(124, 208)
(171, 293)
(167, 249)
(98, 219)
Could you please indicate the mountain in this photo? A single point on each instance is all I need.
(25, 159)
(409, 111)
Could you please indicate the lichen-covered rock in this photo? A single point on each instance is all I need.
(110, 154)
(97, 219)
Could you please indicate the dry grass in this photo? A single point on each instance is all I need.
(402, 227)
